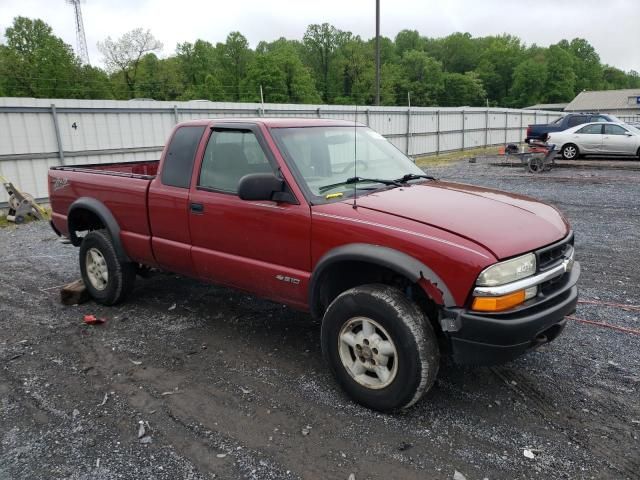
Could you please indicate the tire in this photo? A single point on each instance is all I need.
(108, 280)
(412, 359)
(638, 154)
(570, 151)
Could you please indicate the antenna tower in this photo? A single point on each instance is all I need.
(81, 39)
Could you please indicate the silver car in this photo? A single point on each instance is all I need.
(602, 138)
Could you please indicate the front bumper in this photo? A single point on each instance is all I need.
(489, 339)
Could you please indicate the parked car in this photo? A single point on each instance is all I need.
(597, 138)
(329, 217)
(540, 131)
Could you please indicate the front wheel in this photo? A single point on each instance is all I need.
(570, 151)
(380, 347)
(108, 280)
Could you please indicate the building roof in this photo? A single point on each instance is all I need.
(605, 100)
(547, 106)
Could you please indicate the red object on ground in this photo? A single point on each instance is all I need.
(92, 320)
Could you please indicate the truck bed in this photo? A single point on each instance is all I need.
(121, 187)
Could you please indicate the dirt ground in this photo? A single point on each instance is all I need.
(229, 386)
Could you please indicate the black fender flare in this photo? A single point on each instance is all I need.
(106, 217)
(397, 261)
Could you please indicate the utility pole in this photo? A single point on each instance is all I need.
(377, 52)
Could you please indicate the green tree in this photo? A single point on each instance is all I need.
(586, 65)
(234, 60)
(196, 61)
(159, 79)
(462, 90)
(529, 80)
(561, 79)
(321, 43)
(407, 40)
(36, 63)
(423, 77)
(498, 58)
(458, 53)
(355, 70)
(277, 66)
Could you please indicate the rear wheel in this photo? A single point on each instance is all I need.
(108, 280)
(570, 151)
(380, 347)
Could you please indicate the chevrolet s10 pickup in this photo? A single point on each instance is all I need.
(328, 217)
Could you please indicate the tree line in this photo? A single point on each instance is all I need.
(327, 65)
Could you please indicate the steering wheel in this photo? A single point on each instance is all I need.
(360, 165)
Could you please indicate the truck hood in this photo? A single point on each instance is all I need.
(503, 223)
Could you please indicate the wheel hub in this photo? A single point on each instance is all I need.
(96, 267)
(367, 352)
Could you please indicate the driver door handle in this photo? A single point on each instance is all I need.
(197, 208)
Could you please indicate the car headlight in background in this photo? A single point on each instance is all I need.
(501, 274)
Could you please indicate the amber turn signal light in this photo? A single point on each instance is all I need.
(497, 304)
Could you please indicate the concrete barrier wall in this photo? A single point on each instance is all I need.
(38, 133)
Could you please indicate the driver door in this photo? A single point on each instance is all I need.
(262, 247)
(589, 138)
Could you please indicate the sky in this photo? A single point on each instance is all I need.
(611, 26)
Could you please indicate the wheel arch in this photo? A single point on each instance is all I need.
(90, 214)
(339, 263)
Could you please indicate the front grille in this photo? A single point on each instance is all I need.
(552, 255)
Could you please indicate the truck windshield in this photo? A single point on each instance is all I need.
(328, 159)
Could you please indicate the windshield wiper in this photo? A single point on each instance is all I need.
(413, 176)
(349, 181)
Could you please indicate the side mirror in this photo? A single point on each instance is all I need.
(628, 134)
(263, 186)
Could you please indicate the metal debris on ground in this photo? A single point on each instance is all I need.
(458, 476)
(529, 454)
(135, 362)
(141, 430)
(21, 204)
(170, 392)
(104, 400)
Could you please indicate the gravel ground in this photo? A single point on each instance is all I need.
(229, 386)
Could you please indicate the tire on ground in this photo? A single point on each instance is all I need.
(409, 330)
(121, 275)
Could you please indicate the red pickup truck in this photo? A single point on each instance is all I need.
(329, 217)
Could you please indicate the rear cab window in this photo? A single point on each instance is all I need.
(181, 152)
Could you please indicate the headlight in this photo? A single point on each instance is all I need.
(507, 271)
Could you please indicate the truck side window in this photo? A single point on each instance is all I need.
(230, 155)
(178, 162)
